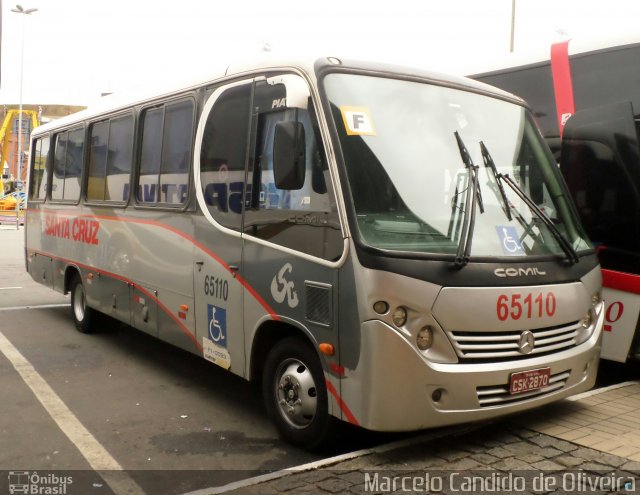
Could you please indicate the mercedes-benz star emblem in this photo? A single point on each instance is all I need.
(526, 342)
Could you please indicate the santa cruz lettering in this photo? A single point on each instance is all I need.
(82, 230)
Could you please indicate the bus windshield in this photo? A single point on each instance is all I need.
(411, 151)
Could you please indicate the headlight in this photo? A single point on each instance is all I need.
(424, 340)
(399, 316)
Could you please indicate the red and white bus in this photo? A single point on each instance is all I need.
(586, 99)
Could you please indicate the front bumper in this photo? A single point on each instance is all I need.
(392, 388)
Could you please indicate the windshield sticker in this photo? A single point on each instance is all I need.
(214, 346)
(509, 241)
(357, 121)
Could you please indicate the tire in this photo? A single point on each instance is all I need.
(295, 394)
(83, 316)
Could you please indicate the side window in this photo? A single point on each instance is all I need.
(67, 165)
(98, 137)
(176, 153)
(74, 165)
(119, 158)
(150, 155)
(110, 159)
(223, 155)
(165, 157)
(305, 219)
(39, 169)
(57, 181)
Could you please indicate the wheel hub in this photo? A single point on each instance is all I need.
(289, 387)
(296, 393)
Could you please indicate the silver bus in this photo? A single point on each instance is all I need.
(380, 245)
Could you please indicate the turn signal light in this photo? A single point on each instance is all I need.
(327, 349)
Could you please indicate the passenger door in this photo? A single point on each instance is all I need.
(220, 162)
(272, 250)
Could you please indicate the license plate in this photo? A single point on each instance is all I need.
(526, 381)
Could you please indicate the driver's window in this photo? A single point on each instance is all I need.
(305, 219)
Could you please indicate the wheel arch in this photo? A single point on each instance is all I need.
(268, 334)
(69, 273)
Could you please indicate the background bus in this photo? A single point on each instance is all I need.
(586, 99)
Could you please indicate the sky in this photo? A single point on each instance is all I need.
(74, 50)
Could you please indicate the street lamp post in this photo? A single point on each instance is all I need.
(513, 24)
(20, 10)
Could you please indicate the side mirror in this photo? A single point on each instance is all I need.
(289, 155)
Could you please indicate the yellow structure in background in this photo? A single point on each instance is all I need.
(11, 199)
(6, 133)
(31, 118)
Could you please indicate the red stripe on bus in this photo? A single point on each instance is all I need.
(133, 284)
(625, 282)
(343, 407)
(180, 233)
(562, 84)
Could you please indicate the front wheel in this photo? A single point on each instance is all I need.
(295, 394)
(83, 316)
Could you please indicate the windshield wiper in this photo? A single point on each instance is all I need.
(474, 196)
(572, 256)
(500, 193)
(488, 163)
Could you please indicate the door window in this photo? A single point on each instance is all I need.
(224, 154)
(237, 173)
(305, 219)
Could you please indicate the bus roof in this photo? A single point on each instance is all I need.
(118, 101)
(541, 54)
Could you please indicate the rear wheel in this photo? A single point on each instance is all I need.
(83, 316)
(295, 394)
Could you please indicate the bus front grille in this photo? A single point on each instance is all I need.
(490, 346)
(498, 395)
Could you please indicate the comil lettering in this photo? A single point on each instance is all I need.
(82, 230)
(518, 272)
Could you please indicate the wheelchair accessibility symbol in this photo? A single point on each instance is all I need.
(217, 324)
(509, 241)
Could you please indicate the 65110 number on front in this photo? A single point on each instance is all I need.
(517, 306)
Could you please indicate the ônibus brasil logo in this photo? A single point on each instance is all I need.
(36, 484)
